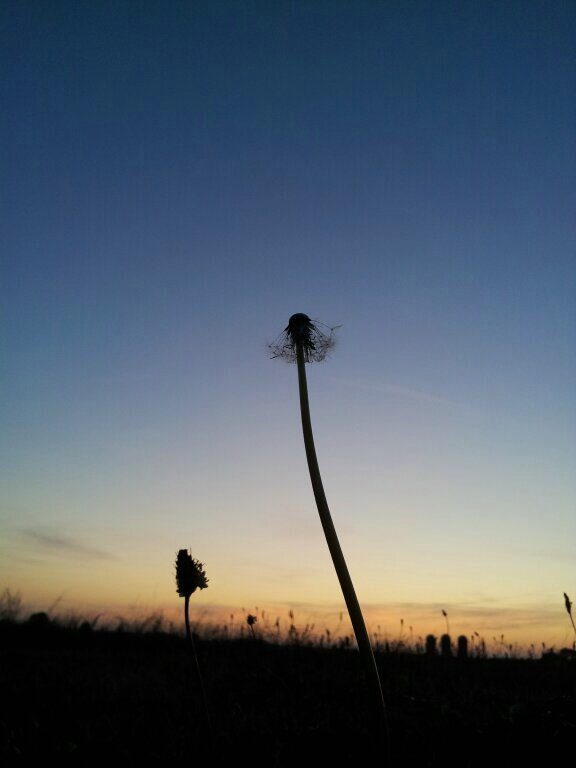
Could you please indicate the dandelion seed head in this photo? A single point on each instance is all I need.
(302, 332)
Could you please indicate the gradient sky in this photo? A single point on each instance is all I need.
(177, 179)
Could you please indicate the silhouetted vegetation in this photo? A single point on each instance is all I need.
(131, 693)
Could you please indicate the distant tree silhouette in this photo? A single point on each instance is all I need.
(39, 620)
(462, 651)
(430, 645)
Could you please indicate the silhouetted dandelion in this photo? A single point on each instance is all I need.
(302, 332)
(190, 576)
(303, 341)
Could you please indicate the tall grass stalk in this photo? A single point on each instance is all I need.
(447, 622)
(568, 604)
(303, 342)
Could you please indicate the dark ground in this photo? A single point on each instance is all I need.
(88, 696)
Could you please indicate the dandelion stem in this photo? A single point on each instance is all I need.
(364, 646)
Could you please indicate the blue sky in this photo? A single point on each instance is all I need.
(177, 181)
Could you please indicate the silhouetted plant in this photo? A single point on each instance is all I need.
(568, 604)
(10, 605)
(447, 622)
(303, 342)
(190, 576)
(251, 620)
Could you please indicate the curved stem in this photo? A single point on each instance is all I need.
(346, 585)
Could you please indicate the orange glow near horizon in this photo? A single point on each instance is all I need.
(503, 630)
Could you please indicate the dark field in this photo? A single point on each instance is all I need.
(88, 696)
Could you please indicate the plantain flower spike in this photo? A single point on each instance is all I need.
(301, 330)
(190, 574)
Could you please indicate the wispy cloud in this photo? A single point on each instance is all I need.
(416, 395)
(63, 544)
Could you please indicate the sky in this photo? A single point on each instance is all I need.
(178, 179)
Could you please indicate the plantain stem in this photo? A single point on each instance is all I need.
(196, 662)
